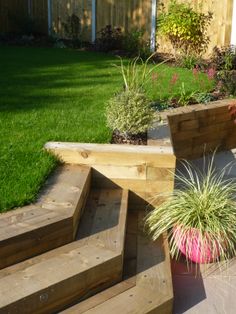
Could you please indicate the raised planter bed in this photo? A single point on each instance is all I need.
(196, 130)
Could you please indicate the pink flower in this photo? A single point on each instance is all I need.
(196, 71)
(174, 79)
(211, 73)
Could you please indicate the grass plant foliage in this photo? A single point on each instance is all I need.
(129, 112)
(137, 73)
(185, 28)
(203, 205)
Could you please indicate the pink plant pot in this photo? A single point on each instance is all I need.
(196, 250)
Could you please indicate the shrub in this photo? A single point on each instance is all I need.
(109, 39)
(205, 205)
(135, 44)
(129, 112)
(228, 80)
(224, 58)
(185, 28)
(72, 29)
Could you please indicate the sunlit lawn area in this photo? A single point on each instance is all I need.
(56, 95)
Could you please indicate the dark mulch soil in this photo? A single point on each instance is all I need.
(139, 139)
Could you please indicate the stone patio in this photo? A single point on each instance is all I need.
(211, 289)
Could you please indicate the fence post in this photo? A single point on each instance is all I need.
(153, 26)
(94, 17)
(233, 31)
(49, 17)
(29, 7)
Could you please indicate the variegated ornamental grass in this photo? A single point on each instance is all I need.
(202, 210)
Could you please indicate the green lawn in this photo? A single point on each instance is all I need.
(54, 95)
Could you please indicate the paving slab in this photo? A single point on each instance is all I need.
(210, 289)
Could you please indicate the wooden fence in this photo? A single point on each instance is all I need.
(221, 25)
(127, 14)
(62, 9)
(13, 13)
(9, 11)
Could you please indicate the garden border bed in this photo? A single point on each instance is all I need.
(196, 130)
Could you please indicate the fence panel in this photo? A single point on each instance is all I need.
(61, 9)
(221, 24)
(11, 12)
(39, 12)
(127, 14)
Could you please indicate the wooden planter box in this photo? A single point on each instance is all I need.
(200, 129)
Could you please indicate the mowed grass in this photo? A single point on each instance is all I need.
(54, 95)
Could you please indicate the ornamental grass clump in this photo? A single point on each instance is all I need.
(130, 112)
(199, 216)
(137, 73)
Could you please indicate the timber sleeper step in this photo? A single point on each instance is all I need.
(147, 282)
(63, 276)
(51, 222)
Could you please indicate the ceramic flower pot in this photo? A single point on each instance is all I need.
(194, 248)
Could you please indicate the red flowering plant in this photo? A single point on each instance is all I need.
(232, 111)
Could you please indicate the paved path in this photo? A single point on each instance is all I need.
(213, 290)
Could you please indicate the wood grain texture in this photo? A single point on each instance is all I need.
(51, 222)
(144, 170)
(197, 130)
(48, 285)
(93, 262)
(110, 154)
(126, 14)
(152, 290)
(64, 8)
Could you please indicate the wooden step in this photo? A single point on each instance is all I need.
(51, 222)
(149, 290)
(93, 262)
